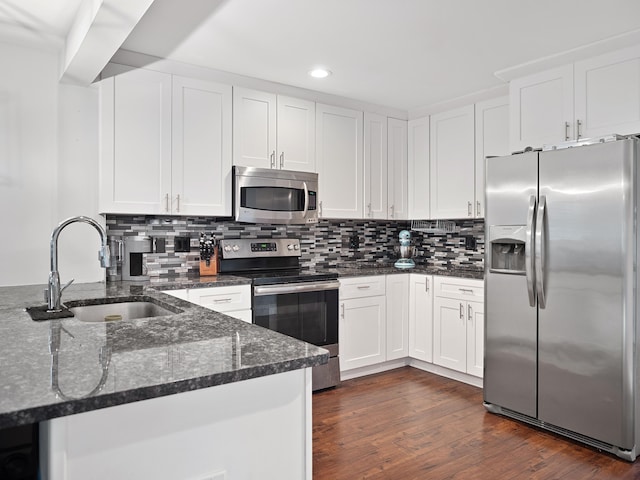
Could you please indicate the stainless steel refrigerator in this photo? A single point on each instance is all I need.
(561, 282)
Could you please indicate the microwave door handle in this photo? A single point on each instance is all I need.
(306, 199)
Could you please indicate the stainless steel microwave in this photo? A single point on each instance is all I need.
(263, 195)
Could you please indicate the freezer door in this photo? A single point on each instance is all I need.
(586, 240)
(510, 320)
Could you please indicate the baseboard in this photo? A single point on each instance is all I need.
(371, 369)
(445, 372)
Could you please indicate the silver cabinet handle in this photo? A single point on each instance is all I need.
(466, 290)
(529, 250)
(469, 211)
(342, 310)
(566, 131)
(392, 211)
(282, 160)
(426, 284)
(364, 287)
(178, 203)
(221, 300)
(478, 209)
(273, 159)
(539, 250)
(166, 203)
(369, 211)
(578, 132)
(461, 311)
(469, 312)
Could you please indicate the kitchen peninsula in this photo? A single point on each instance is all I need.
(192, 394)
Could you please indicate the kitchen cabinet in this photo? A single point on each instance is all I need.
(421, 317)
(589, 98)
(273, 131)
(452, 163)
(362, 322)
(492, 140)
(458, 328)
(165, 145)
(375, 166)
(233, 300)
(418, 177)
(397, 174)
(397, 317)
(339, 159)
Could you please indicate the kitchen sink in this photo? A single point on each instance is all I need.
(109, 309)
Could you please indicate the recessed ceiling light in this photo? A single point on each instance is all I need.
(319, 73)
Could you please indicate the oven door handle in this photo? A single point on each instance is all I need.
(283, 289)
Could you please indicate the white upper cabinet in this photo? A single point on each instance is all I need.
(607, 94)
(135, 142)
(339, 157)
(397, 176)
(375, 166)
(273, 131)
(201, 150)
(418, 169)
(492, 140)
(541, 108)
(452, 163)
(165, 145)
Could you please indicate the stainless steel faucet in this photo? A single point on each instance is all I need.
(53, 293)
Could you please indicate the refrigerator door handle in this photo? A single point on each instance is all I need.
(539, 250)
(529, 250)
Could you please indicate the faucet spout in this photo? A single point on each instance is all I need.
(53, 293)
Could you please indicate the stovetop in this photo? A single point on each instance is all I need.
(287, 276)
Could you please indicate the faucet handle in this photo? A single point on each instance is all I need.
(66, 285)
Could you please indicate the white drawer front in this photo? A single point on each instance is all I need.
(182, 294)
(359, 287)
(222, 299)
(459, 288)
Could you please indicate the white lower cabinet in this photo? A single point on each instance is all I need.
(362, 323)
(458, 328)
(397, 316)
(233, 300)
(421, 317)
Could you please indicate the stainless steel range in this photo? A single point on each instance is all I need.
(300, 303)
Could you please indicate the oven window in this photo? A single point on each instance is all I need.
(310, 316)
(273, 199)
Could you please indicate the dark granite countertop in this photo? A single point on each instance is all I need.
(361, 269)
(54, 368)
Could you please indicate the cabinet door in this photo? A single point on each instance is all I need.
(450, 333)
(296, 134)
(607, 94)
(375, 166)
(541, 108)
(475, 338)
(419, 179)
(339, 158)
(201, 160)
(397, 316)
(135, 156)
(362, 332)
(452, 163)
(492, 140)
(254, 128)
(397, 176)
(421, 317)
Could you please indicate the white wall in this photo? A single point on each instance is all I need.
(48, 169)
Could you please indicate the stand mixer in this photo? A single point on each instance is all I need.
(406, 251)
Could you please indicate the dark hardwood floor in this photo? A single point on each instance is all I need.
(410, 424)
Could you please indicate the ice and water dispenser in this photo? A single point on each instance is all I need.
(507, 243)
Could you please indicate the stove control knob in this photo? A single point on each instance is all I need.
(296, 247)
(236, 248)
(289, 247)
(227, 248)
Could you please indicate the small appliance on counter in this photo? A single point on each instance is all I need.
(406, 251)
(133, 267)
(208, 255)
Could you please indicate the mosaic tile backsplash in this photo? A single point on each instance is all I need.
(325, 244)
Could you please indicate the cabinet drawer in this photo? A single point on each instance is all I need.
(459, 288)
(359, 287)
(222, 299)
(182, 294)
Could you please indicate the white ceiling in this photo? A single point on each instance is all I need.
(404, 54)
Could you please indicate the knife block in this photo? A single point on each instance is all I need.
(212, 267)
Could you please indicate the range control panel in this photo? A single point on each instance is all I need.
(252, 248)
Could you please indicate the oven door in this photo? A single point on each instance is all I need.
(280, 197)
(307, 311)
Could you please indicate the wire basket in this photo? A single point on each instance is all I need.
(433, 226)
